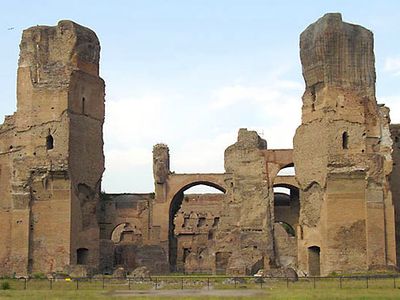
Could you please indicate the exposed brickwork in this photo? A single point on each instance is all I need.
(339, 216)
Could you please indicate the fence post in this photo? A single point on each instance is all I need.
(208, 283)
(77, 283)
(25, 284)
(156, 282)
(314, 281)
(366, 280)
(261, 282)
(287, 282)
(340, 281)
(182, 283)
(103, 282)
(51, 283)
(234, 280)
(394, 281)
(129, 283)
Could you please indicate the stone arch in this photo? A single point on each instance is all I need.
(117, 234)
(117, 230)
(126, 240)
(175, 202)
(287, 169)
(286, 181)
(182, 182)
(287, 227)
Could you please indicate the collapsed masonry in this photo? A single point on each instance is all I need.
(341, 213)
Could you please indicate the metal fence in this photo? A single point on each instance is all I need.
(202, 282)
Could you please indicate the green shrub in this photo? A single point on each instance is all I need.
(5, 285)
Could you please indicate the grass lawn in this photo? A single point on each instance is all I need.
(267, 293)
(197, 288)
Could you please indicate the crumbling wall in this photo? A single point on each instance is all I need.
(195, 225)
(6, 151)
(54, 148)
(246, 227)
(124, 234)
(342, 151)
(52, 161)
(395, 183)
(285, 247)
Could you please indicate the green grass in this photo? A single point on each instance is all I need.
(304, 288)
(278, 294)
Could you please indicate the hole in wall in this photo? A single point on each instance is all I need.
(345, 140)
(83, 105)
(82, 255)
(49, 142)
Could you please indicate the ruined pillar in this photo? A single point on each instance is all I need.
(57, 158)
(161, 170)
(245, 235)
(342, 152)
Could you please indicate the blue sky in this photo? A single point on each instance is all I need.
(191, 73)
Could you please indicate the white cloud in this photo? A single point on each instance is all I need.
(202, 155)
(273, 94)
(133, 120)
(196, 130)
(119, 159)
(277, 107)
(268, 94)
(392, 65)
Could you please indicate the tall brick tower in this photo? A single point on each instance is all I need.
(55, 154)
(342, 154)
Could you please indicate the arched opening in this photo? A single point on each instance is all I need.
(345, 140)
(193, 218)
(288, 228)
(287, 170)
(314, 268)
(286, 219)
(49, 142)
(82, 255)
(286, 204)
(126, 237)
(123, 232)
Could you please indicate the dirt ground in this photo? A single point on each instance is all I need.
(188, 293)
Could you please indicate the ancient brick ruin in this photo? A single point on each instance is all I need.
(341, 212)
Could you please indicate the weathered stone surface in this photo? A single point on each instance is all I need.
(289, 273)
(285, 247)
(53, 153)
(140, 272)
(342, 152)
(119, 272)
(338, 213)
(395, 182)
